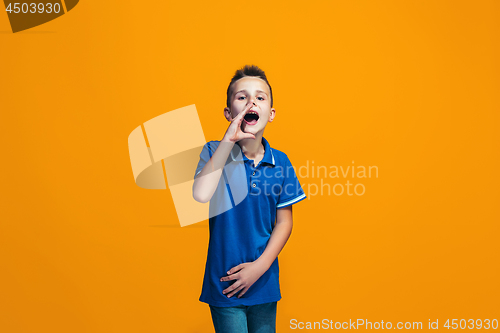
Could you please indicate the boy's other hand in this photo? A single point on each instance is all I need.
(246, 275)
(234, 132)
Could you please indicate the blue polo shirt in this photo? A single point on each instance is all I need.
(242, 217)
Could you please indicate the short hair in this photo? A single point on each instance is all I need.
(248, 70)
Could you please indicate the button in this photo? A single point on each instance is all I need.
(253, 185)
(253, 174)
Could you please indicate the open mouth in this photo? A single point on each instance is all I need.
(251, 118)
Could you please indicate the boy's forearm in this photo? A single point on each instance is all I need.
(207, 180)
(279, 237)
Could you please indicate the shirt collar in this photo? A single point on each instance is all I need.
(237, 154)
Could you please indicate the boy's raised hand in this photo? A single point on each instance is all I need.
(234, 132)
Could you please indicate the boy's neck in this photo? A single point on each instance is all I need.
(252, 147)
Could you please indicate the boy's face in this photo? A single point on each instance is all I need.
(254, 91)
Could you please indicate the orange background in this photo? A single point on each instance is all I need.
(411, 87)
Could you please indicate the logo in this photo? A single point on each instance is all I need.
(167, 151)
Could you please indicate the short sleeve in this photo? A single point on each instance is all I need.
(205, 155)
(291, 191)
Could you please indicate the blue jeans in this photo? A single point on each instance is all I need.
(260, 318)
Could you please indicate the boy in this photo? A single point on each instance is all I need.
(241, 281)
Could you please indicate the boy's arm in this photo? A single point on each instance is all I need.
(206, 181)
(279, 236)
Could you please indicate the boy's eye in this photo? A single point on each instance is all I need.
(260, 98)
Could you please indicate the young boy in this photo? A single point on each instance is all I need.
(241, 282)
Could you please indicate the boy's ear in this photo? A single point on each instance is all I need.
(227, 114)
(272, 114)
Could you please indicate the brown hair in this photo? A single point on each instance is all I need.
(248, 70)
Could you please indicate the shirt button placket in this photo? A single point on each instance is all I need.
(254, 185)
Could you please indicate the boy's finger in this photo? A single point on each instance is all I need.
(236, 268)
(228, 278)
(239, 118)
(231, 288)
(242, 292)
(235, 291)
(242, 114)
(245, 110)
